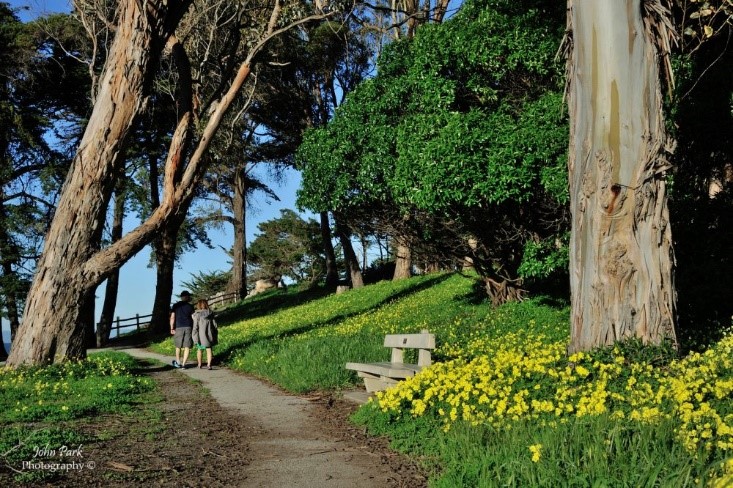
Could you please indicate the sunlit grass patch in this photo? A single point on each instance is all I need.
(73, 389)
(503, 404)
(40, 406)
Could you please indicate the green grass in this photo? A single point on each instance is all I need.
(593, 451)
(502, 406)
(43, 407)
(303, 342)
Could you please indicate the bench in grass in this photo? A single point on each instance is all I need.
(379, 376)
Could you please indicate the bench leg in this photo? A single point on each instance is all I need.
(374, 382)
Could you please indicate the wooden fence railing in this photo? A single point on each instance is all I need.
(139, 322)
(223, 299)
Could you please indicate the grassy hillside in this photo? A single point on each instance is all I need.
(503, 405)
(302, 344)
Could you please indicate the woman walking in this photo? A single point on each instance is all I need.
(205, 331)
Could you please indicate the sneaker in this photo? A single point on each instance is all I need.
(176, 364)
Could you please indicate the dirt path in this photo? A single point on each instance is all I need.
(298, 442)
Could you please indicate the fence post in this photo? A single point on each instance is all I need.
(137, 322)
(118, 326)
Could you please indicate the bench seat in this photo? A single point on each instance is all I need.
(386, 369)
(381, 375)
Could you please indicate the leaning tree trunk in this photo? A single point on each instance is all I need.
(332, 275)
(113, 280)
(621, 256)
(52, 326)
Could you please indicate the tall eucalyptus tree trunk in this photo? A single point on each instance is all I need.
(621, 256)
(66, 276)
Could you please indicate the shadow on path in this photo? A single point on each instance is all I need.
(289, 444)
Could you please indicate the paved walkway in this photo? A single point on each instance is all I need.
(288, 447)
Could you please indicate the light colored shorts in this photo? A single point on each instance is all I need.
(183, 337)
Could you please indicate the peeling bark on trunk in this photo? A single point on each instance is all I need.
(332, 275)
(53, 325)
(113, 280)
(238, 281)
(621, 256)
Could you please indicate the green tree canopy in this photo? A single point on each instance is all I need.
(288, 247)
(43, 97)
(463, 123)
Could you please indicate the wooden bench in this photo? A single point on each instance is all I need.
(379, 376)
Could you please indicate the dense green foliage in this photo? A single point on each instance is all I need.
(463, 129)
(702, 190)
(43, 92)
(288, 247)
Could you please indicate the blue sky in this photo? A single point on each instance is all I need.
(137, 281)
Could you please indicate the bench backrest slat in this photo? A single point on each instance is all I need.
(397, 356)
(410, 341)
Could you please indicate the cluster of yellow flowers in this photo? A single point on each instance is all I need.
(522, 376)
(49, 386)
(536, 450)
(358, 306)
(725, 480)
